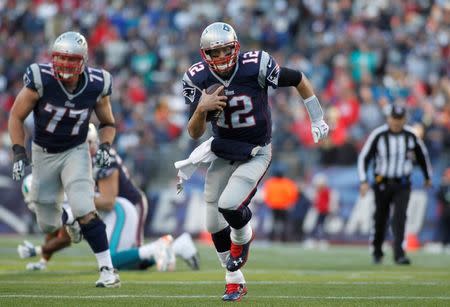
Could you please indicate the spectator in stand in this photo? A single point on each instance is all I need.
(321, 202)
(444, 201)
(280, 195)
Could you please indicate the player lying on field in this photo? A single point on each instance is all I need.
(126, 253)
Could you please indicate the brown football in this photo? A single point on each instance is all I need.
(213, 115)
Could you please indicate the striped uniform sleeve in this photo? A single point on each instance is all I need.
(32, 79)
(367, 154)
(269, 71)
(107, 84)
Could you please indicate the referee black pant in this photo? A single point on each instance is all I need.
(386, 194)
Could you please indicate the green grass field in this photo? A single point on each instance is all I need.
(277, 275)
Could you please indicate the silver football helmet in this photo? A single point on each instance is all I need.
(219, 35)
(69, 55)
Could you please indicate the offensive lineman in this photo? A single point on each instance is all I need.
(242, 127)
(62, 95)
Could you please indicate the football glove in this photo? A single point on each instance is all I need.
(102, 156)
(319, 130)
(20, 161)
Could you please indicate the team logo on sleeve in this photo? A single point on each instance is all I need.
(273, 76)
(189, 92)
(26, 79)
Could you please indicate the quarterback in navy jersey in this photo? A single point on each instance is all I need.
(242, 136)
(62, 95)
(114, 181)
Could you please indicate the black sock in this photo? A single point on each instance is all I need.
(94, 233)
(222, 240)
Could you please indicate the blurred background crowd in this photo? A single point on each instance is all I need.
(361, 55)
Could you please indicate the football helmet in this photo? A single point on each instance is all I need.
(219, 35)
(69, 55)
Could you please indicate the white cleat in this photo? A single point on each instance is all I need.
(26, 250)
(36, 266)
(165, 257)
(184, 247)
(74, 231)
(108, 278)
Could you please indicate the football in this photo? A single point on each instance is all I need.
(213, 115)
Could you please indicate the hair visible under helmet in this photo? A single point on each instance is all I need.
(219, 35)
(72, 46)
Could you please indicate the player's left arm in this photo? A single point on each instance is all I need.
(107, 127)
(290, 77)
(108, 188)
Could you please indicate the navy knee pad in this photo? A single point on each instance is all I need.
(237, 218)
(222, 240)
(95, 234)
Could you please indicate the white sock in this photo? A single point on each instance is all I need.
(241, 236)
(38, 250)
(234, 277)
(104, 259)
(223, 258)
(148, 251)
(44, 261)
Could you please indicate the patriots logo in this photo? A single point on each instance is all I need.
(26, 80)
(273, 76)
(189, 93)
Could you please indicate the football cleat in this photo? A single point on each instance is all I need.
(234, 292)
(108, 278)
(165, 256)
(184, 247)
(74, 232)
(36, 266)
(238, 255)
(26, 250)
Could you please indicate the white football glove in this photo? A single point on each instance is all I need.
(102, 156)
(319, 130)
(26, 250)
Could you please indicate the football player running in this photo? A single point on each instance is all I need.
(62, 95)
(121, 226)
(242, 137)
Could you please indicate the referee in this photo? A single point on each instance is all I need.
(393, 147)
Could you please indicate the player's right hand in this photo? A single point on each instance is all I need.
(214, 101)
(102, 156)
(20, 161)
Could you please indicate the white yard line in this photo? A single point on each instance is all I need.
(293, 297)
(260, 282)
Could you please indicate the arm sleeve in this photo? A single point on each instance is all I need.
(191, 94)
(289, 77)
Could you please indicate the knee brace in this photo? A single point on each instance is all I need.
(237, 218)
(222, 240)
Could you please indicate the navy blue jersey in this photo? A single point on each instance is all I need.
(61, 119)
(126, 187)
(247, 116)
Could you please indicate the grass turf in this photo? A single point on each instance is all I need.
(276, 274)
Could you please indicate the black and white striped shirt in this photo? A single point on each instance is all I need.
(393, 153)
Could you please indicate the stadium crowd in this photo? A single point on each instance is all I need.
(361, 55)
